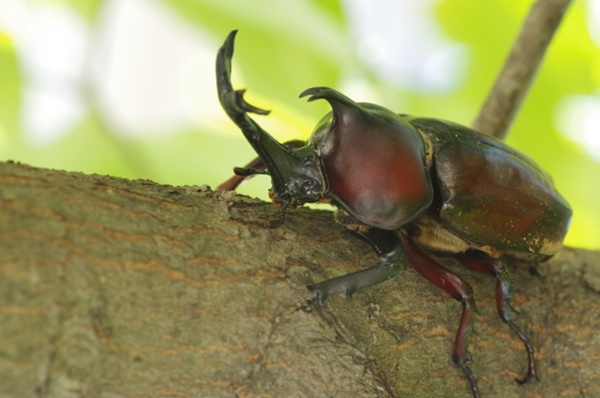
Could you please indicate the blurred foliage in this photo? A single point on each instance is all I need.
(286, 47)
(10, 95)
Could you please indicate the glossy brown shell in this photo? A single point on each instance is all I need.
(373, 162)
(492, 194)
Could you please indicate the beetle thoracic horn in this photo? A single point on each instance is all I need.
(335, 98)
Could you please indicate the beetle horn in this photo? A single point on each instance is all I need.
(283, 164)
(340, 104)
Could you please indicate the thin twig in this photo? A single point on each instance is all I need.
(515, 78)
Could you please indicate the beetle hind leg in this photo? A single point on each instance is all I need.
(480, 262)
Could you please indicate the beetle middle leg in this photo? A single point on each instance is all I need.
(391, 264)
(482, 263)
(458, 289)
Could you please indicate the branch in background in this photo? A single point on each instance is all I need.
(513, 82)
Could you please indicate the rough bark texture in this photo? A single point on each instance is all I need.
(118, 288)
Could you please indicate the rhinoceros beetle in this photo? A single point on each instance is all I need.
(411, 187)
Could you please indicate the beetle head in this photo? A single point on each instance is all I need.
(295, 173)
(362, 157)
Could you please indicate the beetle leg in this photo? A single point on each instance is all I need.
(231, 184)
(480, 262)
(391, 264)
(256, 166)
(458, 289)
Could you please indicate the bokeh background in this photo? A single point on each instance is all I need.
(127, 87)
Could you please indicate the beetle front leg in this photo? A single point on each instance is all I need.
(480, 262)
(457, 289)
(391, 264)
(256, 166)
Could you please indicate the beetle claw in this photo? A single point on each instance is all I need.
(527, 378)
(349, 294)
(319, 297)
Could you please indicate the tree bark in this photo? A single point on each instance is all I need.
(119, 288)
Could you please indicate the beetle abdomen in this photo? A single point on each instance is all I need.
(491, 195)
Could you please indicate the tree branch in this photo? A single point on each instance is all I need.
(111, 287)
(514, 80)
